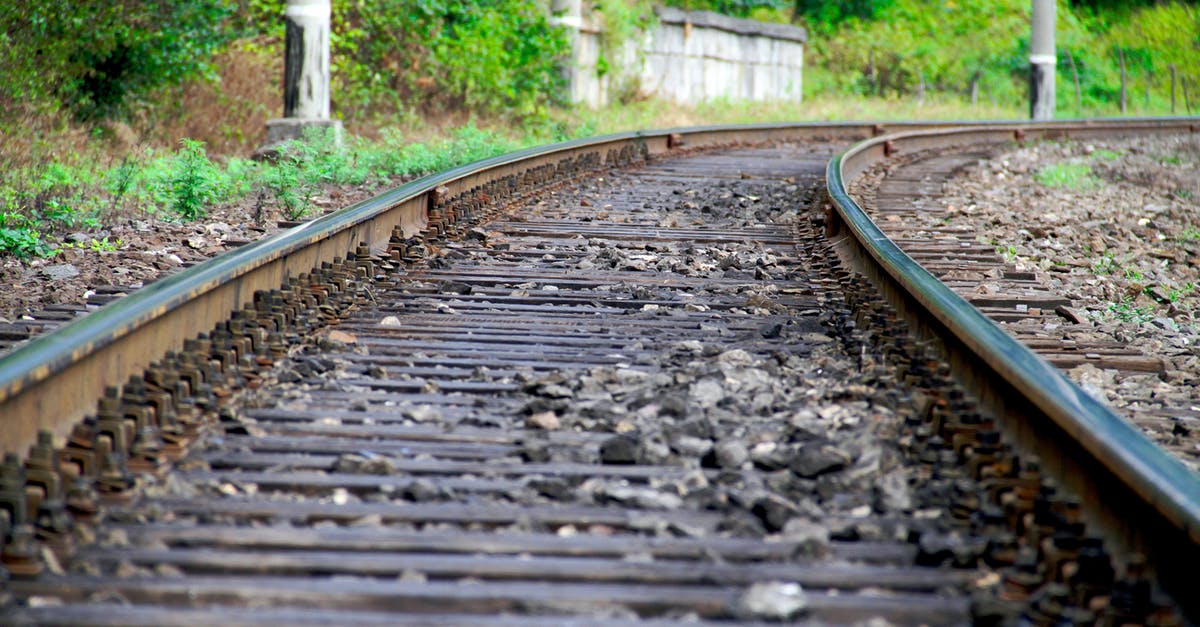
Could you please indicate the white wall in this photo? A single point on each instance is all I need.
(694, 56)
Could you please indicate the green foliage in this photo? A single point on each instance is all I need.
(1105, 264)
(191, 182)
(900, 48)
(286, 182)
(824, 15)
(19, 238)
(746, 8)
(101, 245)
(1128, 311)
(487, 55)
(1068, 175)
(96, 58)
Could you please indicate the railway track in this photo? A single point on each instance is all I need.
(649, 378)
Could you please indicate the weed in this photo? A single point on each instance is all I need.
(69, 213)
(1008, 252)
(1191, 234)
(1067, 174)
(195, 182)
(285, 181)
(19, 238)
(1133, 274)
(1127, 311)
(1175, 294)
(120, 180)
(101, 245)
(1104, 265)
(1105, 155)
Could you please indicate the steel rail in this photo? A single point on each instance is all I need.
(1147, 501)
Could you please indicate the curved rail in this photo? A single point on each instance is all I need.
(1150, 502)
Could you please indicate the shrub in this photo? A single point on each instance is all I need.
(496, 56)
(194, 182)
(96, 58)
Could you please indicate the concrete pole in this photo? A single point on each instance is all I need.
(569, 15)
(306, 70)
(1042, 60)
(305, 74)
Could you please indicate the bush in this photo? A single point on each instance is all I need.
(495, 56)
(97, 58)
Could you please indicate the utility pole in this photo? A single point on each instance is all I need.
(1042, 61)
(305, 74)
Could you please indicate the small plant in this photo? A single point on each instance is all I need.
(19, 238)
(1175, 294)
(1008, 252)
(1190, 234)
(1105, 264)
(121, 179)
(285, 180)
(1133, 274)
(195, 183)
(101, 245)
(1067, 175)
(1105, 155)
(1127, 311)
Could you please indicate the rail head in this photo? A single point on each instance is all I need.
(1170, 489)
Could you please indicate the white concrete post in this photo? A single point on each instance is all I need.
(306, 70)
(569, 15)
(305, 73)
(1042, 60)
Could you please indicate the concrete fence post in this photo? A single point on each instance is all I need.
(569, 15)
(1042, 61)
(306, 73)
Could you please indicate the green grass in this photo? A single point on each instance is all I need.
(1127, 311)
(1072, 175)
(42, 207)
(1105, 264)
